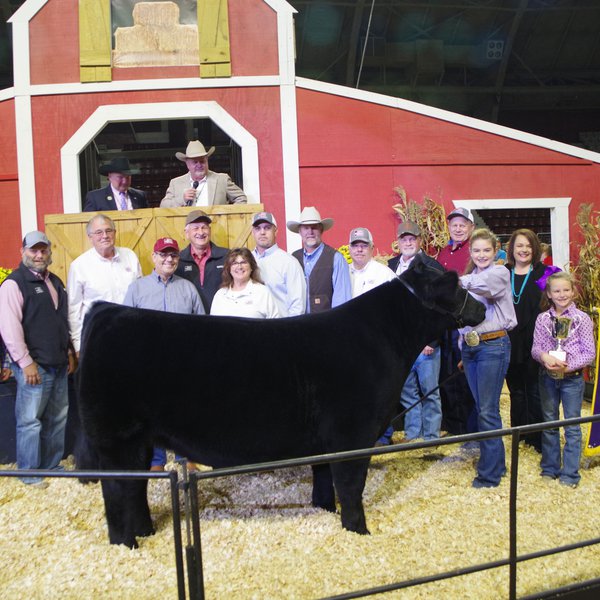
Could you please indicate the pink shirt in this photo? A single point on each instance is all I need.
(11, 318)
(579, 345)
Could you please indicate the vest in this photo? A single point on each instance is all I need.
(46, 329)
(320, 282)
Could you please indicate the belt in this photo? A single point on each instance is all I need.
(473, 338)
(559, 375)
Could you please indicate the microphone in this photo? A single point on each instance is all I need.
(195, 186)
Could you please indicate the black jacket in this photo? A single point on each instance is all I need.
(213, 272)
(103, 199)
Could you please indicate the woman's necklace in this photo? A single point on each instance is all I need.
(517, 297)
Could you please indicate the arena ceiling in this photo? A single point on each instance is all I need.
(531, 64)
(516, 62)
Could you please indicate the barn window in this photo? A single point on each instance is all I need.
(150, 147)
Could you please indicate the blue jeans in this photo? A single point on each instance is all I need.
(425, 419)
(569, 391)
(41, 416)
(159, 457)
(485, 366)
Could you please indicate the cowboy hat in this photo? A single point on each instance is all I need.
(309, 216)
(194, 149)
(118, 165)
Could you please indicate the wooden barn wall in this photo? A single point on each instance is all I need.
(257, 109)
(353, 154)
(54, 34)
(10, 223)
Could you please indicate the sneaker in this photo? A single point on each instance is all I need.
(478, 483)
(569, 484)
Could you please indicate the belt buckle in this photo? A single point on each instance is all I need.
(472, 338)
(555, 374)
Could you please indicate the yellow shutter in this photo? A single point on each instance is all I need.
(213, 31)
(95, 40)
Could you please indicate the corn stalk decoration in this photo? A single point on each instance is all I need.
(429, 216)
(587, 270)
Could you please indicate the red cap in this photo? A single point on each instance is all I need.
(163, 243)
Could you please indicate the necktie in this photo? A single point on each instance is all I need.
(123, 201)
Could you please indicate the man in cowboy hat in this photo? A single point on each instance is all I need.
(200, 186)
(117, 195)
(325, 269)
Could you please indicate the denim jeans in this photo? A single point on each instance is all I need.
(569, 391)
(485, 367)
(425, 419)
(41, 416)
(159, 457)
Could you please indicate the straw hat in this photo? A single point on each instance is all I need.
(194, 149)
(310, 216)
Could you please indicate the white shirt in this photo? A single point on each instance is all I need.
(92, 278)
(254, 301)
(369, 277)
(117, 197)
(403, 264)
(201, 191)
(283, 275)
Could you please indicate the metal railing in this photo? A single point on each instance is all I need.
(189, 487)
(511, 561)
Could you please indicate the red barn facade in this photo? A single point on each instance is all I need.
(302, 142)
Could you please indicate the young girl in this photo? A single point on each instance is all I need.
(486, 349)
(561, 379)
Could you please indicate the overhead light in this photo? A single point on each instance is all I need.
(494, 49)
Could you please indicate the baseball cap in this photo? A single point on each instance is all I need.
(461, 211)
(197, 215)
(35, 237)
(408, 228)
(263, 217)
(361, 234)
(163, 243)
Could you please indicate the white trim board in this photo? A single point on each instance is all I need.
(143, 112)
(559, 219)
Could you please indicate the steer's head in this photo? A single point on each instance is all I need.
(441, 292)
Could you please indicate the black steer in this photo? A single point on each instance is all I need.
(227, 391)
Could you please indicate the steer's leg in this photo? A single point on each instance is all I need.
(323, 494)
(349, 480)
(125, 501)
(117, 498)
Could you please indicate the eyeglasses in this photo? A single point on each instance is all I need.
(171, 255)
(100, 232)
(240, 262)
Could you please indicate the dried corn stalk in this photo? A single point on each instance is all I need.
(429, 216)
(587, 270)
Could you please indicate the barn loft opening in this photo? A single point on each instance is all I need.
(150, 147)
